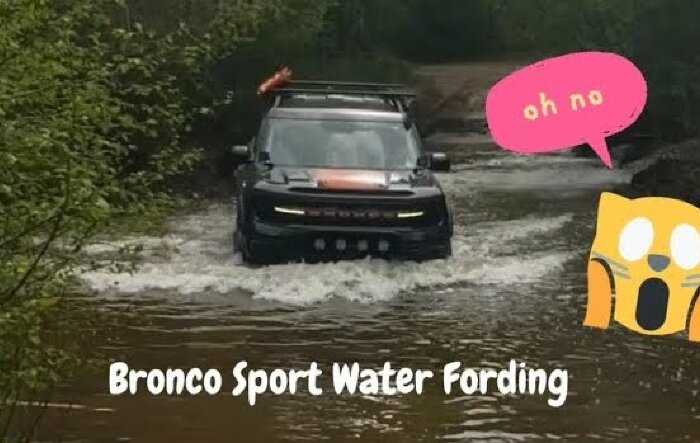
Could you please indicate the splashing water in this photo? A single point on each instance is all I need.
(197, 258)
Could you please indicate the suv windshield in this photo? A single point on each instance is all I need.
(340, 144)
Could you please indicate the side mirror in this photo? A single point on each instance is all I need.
(241, 153)
(435, 161)
(440, 162)
(264, 157)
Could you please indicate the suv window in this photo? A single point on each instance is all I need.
(340, 144)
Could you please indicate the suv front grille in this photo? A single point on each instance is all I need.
(406, 214)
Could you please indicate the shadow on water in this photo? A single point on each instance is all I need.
(515, 289)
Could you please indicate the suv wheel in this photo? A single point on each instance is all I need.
(237, 241)
(242, 245)
(238, 237)
(441, 252)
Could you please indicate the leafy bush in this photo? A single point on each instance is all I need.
(659, 36)
(94, 108)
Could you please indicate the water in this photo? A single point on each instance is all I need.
(514, 289)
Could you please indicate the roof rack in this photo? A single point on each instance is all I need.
(388, 90)
(323, 83)
(397, 94)
(281, 87)
(388, 94)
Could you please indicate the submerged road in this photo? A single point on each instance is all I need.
(514, 289)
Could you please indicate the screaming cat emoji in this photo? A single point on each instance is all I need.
(644, 268)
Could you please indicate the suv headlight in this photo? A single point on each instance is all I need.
(289, 211)
(416, 214)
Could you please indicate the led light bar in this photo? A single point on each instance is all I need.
(347, 214)
(290, 211)
(410, 214)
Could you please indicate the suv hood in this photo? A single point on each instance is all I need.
(349, 179)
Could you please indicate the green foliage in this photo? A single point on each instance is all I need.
(414, 29)
(665, 46)
(659, 36)
(94, 111)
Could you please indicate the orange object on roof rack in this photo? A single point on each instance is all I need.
(281, 77)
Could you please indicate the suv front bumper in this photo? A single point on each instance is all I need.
(278, 242)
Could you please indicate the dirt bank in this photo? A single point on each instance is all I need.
(673, 171)
(452, 97)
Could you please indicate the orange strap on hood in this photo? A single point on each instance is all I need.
(350, 180)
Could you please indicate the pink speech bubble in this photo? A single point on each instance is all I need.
(566, 101)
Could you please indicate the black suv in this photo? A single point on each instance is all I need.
(337, 171)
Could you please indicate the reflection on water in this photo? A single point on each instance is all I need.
(515, 289)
